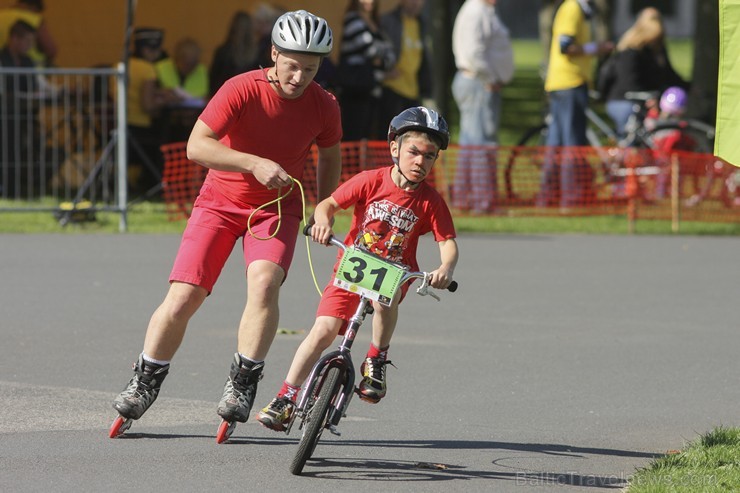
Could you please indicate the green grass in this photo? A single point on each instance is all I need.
(710, 464)
(151, 217)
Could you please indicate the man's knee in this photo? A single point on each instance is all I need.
(183, 300)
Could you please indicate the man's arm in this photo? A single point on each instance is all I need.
(448, 252)
(205, 149)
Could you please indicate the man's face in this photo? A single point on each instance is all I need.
(21, 44)
(294, 72)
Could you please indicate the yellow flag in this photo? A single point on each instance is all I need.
(727, 141)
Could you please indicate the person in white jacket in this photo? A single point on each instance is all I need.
(485, 63)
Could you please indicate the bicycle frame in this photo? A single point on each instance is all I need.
(341, 357)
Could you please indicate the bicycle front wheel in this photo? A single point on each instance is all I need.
(316, 419)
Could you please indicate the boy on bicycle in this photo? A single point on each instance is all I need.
(394, 206)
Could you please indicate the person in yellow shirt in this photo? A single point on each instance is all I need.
(145, 102)
(410, 80)
(30, 12)
(569, 74)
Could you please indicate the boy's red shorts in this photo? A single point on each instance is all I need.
(339, 303)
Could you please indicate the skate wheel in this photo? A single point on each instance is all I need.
(119, 427)
(225, 430)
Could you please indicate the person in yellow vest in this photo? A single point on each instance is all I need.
(185, 74)
(185, 79)
(30, 12)
(410, 80)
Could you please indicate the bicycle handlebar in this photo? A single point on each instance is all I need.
(409, 275)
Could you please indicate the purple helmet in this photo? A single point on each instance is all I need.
(673, 101)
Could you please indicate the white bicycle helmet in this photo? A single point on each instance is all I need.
(302, 32)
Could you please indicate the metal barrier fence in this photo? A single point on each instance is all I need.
(533, 181)
(59, 136)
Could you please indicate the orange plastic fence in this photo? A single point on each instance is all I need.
(530, 181)
(181, 180)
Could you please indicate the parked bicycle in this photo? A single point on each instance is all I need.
(612, 151)
(330, 386)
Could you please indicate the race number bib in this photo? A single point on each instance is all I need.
(367, 275)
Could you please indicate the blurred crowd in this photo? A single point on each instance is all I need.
(383, 65)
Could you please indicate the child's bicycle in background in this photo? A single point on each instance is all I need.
(612, 153)
(330, 385)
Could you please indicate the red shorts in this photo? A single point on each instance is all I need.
(214, 227)
(340, 303)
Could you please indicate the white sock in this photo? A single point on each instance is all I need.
(153, 361)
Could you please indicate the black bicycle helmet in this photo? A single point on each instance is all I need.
(421, 119)
(302, 32)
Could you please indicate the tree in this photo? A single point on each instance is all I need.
(703, 95)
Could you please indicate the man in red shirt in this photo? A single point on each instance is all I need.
(393, 207)
(254, 136)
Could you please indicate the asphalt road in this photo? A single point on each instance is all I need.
(563, 363)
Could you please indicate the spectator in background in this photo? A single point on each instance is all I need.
(31, 12)
(365, 57)
(15, 54)
(18, 114)
(640, 63)
(602, 21)
(569, 74)
(263, 19)
(185, 74)
(237, 54)
(485, 62)
(145, 101)
(671, 106)
(185, 79)
(410, 80)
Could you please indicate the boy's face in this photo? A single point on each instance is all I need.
(416, 155)
(294, 72)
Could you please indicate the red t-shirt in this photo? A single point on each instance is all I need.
(249, 116)
(388, 220)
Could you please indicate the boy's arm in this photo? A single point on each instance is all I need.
(442, 277)
(323, 217)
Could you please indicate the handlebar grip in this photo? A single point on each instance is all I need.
(452, 287)
(307, 229)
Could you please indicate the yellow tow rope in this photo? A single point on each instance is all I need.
(278, 200)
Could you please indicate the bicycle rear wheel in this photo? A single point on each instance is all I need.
(316, 419)
(693, 135)
(682, 136)
(523, 167)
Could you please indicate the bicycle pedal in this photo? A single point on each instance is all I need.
(333, 430)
